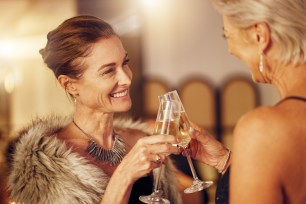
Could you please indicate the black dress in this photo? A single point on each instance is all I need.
(222, 194)
(222, 188)
(143, 186)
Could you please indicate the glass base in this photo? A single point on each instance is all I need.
(154, 198)
(198, 185)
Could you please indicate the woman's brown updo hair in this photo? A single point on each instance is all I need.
(71, 41)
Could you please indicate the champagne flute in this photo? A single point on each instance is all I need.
(184, 139)
(167, 122)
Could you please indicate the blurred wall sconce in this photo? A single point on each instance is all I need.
(10, 76)
(9, 83)
(12, 51)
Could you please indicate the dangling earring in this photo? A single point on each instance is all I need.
(261, 64)
(74, 100)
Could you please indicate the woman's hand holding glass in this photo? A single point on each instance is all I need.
(146, 155)
(167, 123)
(206, 148)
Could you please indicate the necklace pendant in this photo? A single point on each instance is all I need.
(112, 156)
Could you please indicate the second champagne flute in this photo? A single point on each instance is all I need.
(167, 122)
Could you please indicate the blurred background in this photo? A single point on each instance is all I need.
(173, 44)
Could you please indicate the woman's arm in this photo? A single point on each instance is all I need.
(119, 188)
(140, 161)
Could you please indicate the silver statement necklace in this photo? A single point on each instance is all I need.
(112, 156)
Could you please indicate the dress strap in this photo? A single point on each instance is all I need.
(292, 98)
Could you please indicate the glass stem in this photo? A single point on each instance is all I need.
(194, 175)
(156, 186)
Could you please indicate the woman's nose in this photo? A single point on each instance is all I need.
(125, 76)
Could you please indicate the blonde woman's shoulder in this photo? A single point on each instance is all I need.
(262, 121)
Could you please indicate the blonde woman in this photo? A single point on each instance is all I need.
(268, 161)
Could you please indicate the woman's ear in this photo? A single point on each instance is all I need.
(68, 84)
(263, 35)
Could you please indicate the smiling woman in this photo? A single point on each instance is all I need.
(105, 80)
(88, 157)
(269, 142)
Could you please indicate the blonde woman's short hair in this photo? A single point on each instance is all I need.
(285, 18)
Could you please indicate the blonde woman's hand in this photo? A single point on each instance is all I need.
(206, 148)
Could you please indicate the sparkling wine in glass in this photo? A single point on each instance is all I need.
(184, 139)
(167, 122)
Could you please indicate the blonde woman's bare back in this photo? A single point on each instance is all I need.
(270, 150)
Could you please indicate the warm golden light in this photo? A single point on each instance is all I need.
(150, 4)
(10, 75)
(23, 47)
(6, 48)
(9, 82)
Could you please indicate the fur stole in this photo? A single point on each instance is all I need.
(44, 170)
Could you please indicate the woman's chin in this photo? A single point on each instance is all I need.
(124, 108)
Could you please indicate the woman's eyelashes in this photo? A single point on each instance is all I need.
(108, 71)
(111, 70)
(126, 62)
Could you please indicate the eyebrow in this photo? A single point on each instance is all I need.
(113, 63)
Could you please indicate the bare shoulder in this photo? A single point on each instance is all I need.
(131, 131)
(130, 136)
(256, 155)
(269, 143)
(260, 137)
(266, 136)
(261, 122)
(271, 123)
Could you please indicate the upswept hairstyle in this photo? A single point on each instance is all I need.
(286, 20)
(71, 41)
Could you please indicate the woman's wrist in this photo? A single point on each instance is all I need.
(124, 176)
(122, 182)
(224, 162)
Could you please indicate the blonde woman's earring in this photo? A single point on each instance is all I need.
(261, 64)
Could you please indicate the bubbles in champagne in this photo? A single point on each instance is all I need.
(184, 125)
(170, 127)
